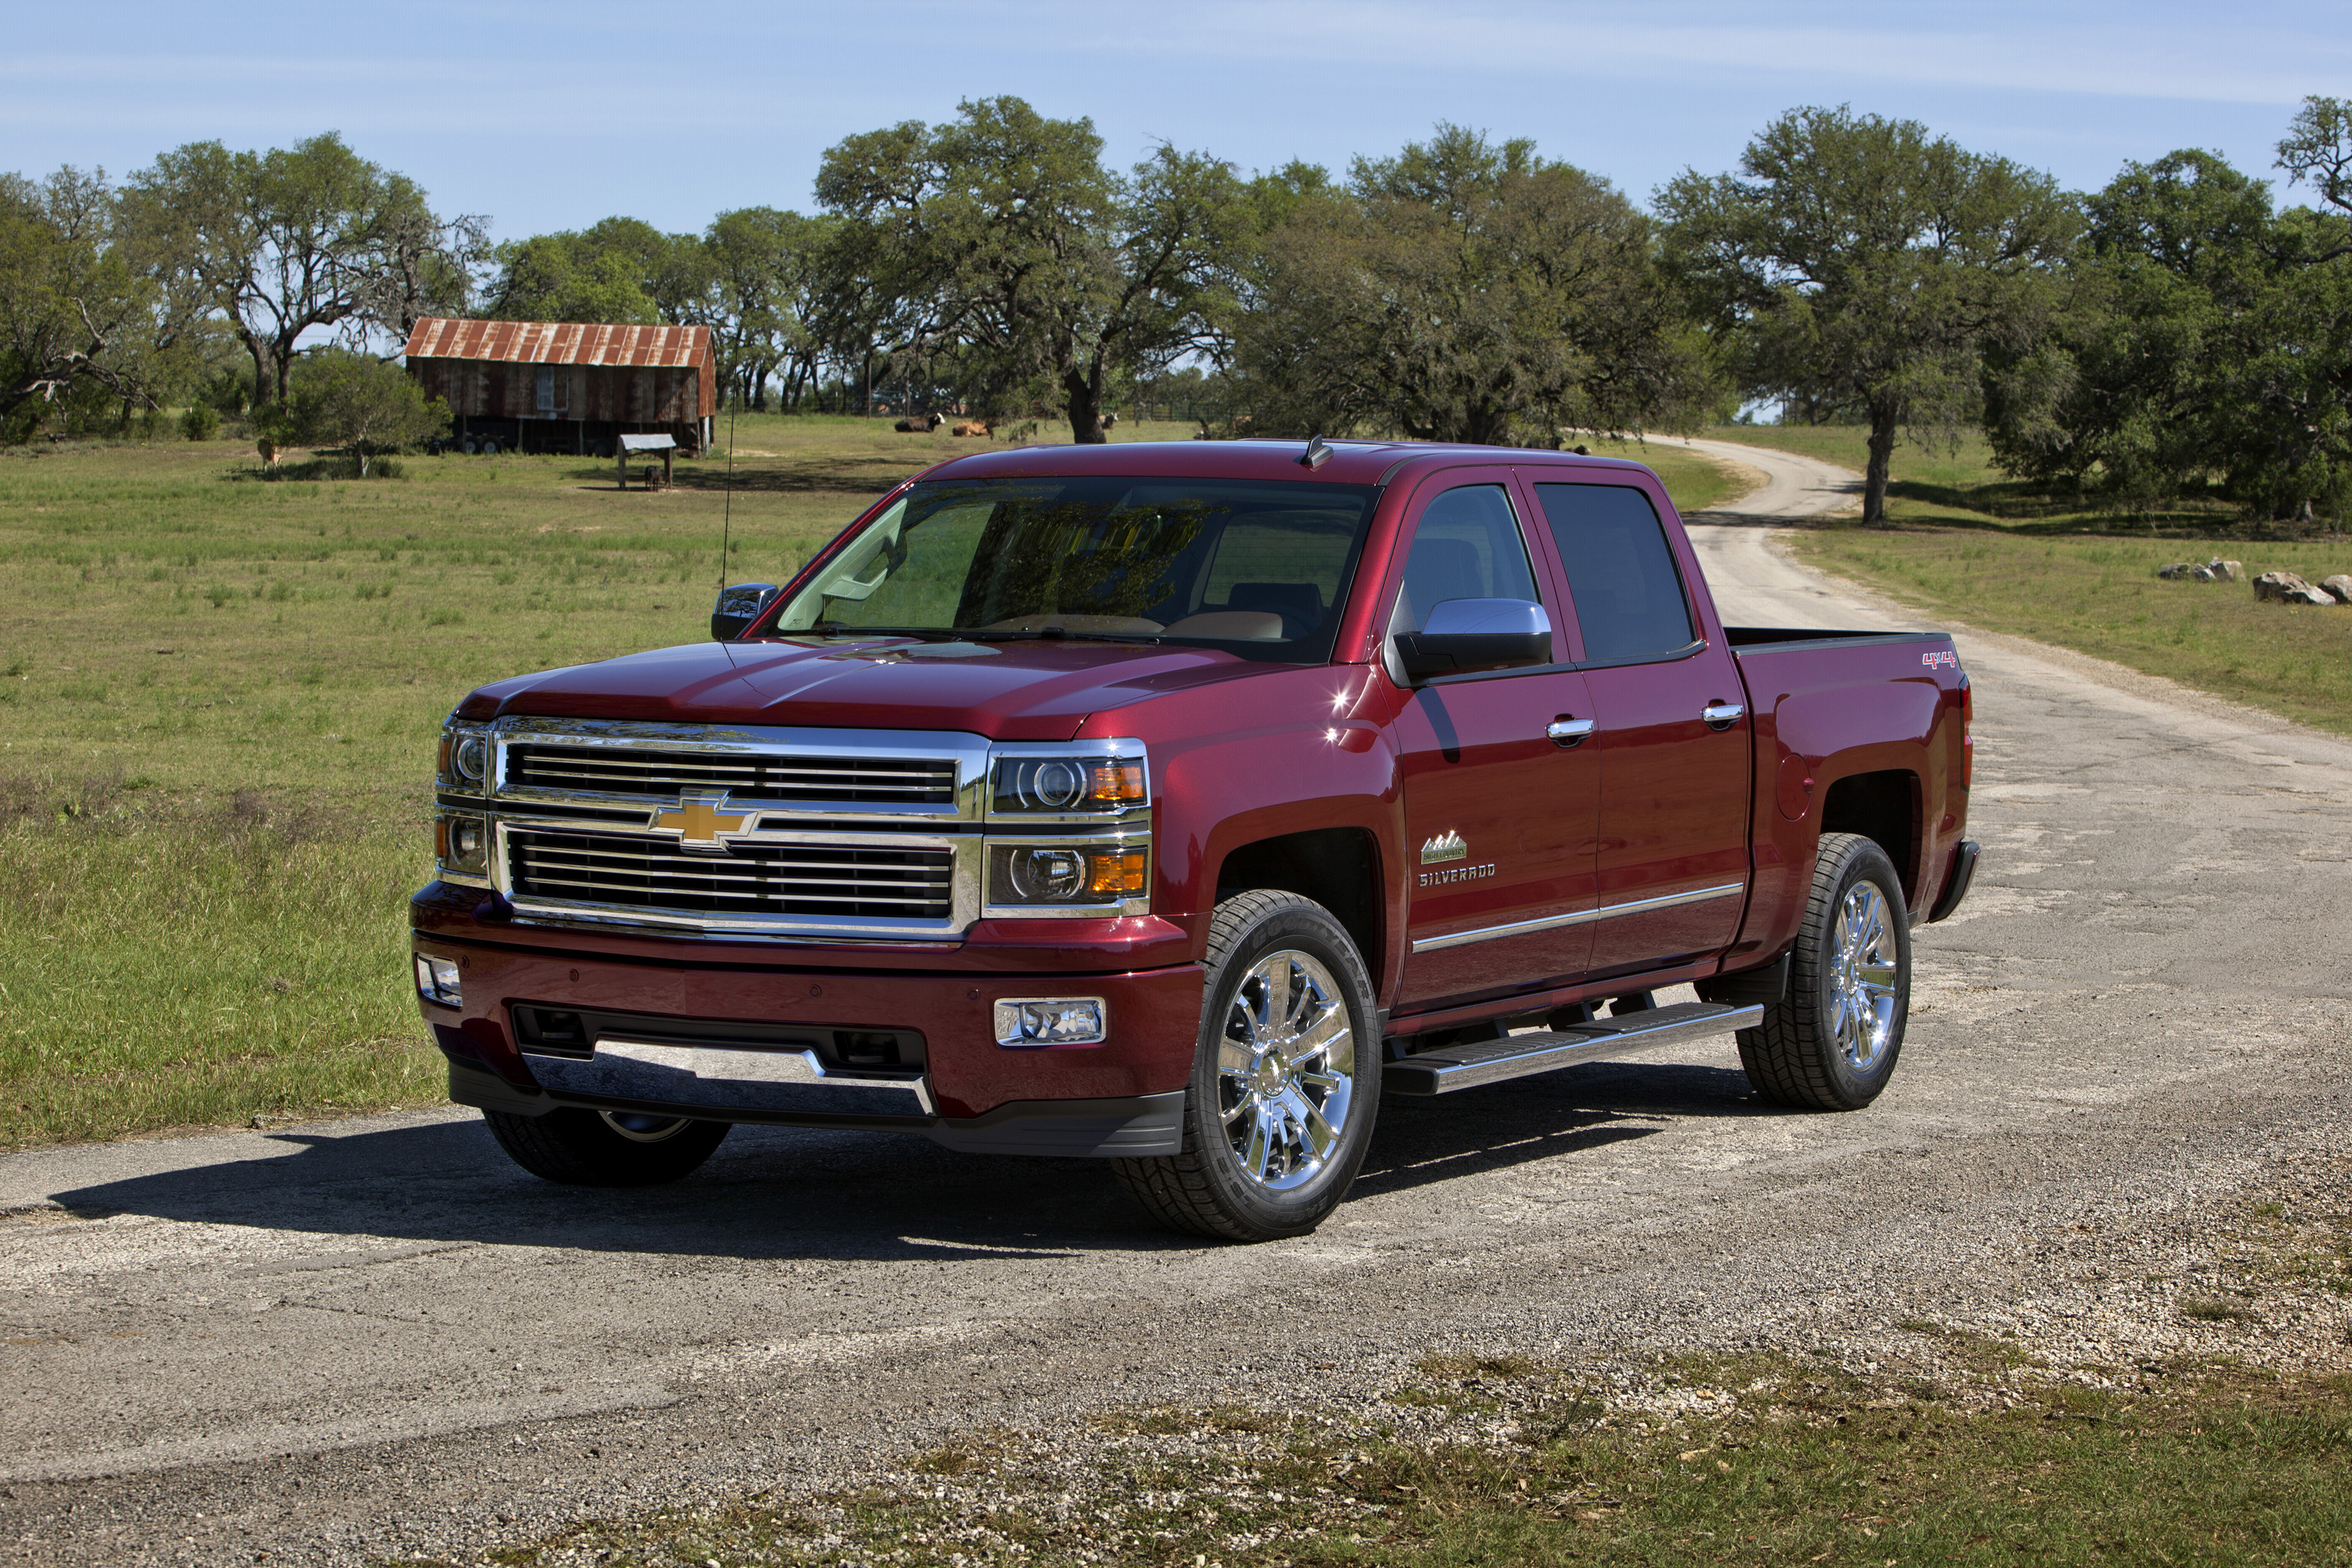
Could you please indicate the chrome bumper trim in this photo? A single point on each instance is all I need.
(721, 1079)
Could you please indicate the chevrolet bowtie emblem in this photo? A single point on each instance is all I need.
(699, 817)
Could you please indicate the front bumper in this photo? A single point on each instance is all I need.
(1122, 1095)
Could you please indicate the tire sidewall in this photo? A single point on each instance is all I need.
(1307, 928)
(1868, 863)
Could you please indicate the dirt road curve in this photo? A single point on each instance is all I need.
(376, 1337)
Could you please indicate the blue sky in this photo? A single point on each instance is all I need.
(548, 117)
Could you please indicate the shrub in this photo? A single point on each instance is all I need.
(201, 422)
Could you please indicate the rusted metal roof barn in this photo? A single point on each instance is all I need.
(566, 386)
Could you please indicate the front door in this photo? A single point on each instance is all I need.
(1672, 739)
(1500, 816)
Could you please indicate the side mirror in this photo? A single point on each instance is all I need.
(739, 605)
(1465, 636)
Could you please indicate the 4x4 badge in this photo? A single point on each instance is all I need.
(699, 817)
(1446, 846)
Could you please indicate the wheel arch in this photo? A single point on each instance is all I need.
(1885, 807)
(1338, 867)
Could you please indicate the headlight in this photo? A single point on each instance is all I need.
(465, 761)
(1049, 876)
(1107, 780)
(461, 843)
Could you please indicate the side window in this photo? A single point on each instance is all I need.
(1620, 572)
(1467, 546)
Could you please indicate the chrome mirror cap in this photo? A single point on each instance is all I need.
(1464, 637)
(739, 605)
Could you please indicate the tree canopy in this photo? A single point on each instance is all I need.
(289, 241)
(1002, 231)
(1860, 264)
(1462, 292)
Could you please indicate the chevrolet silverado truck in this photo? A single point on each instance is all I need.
(1172, 804)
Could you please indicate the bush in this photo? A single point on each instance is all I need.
(201, 422)
(368, 407)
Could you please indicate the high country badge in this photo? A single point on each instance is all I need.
(1449, 845)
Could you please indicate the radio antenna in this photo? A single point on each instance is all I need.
(727, 508)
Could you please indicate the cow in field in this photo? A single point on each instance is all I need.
(919, 425)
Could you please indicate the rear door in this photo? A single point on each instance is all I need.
(1673, 738)
(1500, 818)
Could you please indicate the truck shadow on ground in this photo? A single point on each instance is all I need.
(778, 1193)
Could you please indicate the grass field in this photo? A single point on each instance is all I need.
(218, 699)
(1970, 545)
(1760, 1458)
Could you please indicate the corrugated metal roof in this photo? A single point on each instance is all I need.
(558, 343)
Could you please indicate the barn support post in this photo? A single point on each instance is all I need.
(621, 456)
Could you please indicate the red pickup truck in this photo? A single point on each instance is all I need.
(1172, 803)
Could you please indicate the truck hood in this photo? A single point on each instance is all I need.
(1007, 691)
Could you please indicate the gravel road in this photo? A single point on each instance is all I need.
(376, 1338)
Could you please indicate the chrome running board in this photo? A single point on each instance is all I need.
(1451, 1068)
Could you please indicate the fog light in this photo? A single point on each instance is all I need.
(436, 981)
(1025, 1023)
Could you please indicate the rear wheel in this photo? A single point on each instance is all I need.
(1831, 1043)
(1284, 1081)
(605, 1148)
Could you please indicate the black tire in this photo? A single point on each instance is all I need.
(1828, 1043)
(587, 1149)
(1208, 1189)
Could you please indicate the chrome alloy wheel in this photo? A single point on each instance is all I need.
(1863, 974)
(1285, 1069)
(639, 1128)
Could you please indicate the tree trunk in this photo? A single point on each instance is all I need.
(1874, 483)
(1085, 394)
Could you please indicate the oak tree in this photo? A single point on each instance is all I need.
(1858, 264)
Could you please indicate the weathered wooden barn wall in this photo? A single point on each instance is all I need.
(626, 395)
(599, 377)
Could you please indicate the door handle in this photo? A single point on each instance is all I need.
(1723, 715)
(1568, 732)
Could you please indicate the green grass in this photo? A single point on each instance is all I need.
(1957, 484)
(218, 700)
(1796, 1461)
(2102, 597)
(1966, 543)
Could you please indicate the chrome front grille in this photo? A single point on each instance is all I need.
(785, 882)
(745, 776)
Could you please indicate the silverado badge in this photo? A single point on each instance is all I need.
(699, 817)
(1446, 846)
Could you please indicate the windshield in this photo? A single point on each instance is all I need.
(1259, 568)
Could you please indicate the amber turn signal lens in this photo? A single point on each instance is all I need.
(1118, 873)
(1115, 782)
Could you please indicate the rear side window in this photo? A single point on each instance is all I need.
(1621, 573)
(1467, 546)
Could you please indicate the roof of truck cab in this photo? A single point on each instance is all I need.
(1351, 463)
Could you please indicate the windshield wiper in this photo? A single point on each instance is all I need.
(977, 633)
(928, 634)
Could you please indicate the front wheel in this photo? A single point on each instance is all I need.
(1831, 1043)
(605, 1148)
(1285, 1082)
